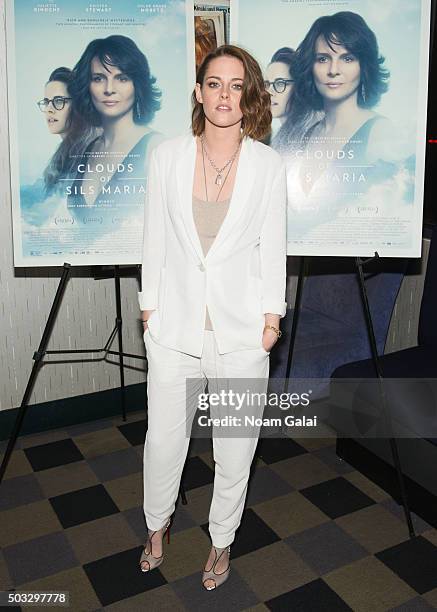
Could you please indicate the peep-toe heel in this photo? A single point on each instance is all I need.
(147, 556)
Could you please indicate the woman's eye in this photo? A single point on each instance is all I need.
(213, 84)
(123, 78)
(322, 59)
(238, 86)
(349, 58)
(96, 79)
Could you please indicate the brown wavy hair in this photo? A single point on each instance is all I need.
(254, 102)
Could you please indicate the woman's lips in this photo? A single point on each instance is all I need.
(223, 107)
(333, 85)
(110, 102)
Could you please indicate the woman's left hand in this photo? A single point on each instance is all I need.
(270, 338)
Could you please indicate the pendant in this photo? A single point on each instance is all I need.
(218, 180)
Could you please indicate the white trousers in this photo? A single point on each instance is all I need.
(170, 417)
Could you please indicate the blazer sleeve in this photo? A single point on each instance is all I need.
(153, 238)
(273, 247)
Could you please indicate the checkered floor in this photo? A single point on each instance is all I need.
(316, 535)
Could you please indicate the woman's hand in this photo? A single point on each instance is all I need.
(145, 315)
(270, 338)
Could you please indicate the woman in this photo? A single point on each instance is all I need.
(213, 288)
(279, 82)
(40, 201)
(339, 73)
(114, 90)
(63, 120)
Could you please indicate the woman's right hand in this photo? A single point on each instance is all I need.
(145, 315)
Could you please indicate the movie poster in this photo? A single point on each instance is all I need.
(348, 86)
(211, 28)
(92, 89)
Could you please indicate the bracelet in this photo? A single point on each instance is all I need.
(275, 329)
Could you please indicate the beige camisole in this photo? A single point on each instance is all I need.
(208, 219)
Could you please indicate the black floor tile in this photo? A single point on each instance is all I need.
(134, 432)
(53, 454)
(337, 497)
(415, 561)
(271, 450)
(83, 505)
(119, 576)
(252, 534)
(315, 596)
(196, 474)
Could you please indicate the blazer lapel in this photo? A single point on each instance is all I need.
(185, 179)
(243, 181)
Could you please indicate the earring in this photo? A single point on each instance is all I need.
(363, 93)
(138, 110)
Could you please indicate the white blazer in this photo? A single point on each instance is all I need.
(243, 274)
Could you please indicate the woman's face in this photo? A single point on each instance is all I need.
(112, 91)
(278, 73)
(221, 91)
(336, 71)
(57, 120)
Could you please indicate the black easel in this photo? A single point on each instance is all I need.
(39, 355)
(375, 358)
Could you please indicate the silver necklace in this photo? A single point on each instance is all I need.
(219, 177)
(204, 172)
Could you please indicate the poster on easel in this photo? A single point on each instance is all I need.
(211, 28)
(92, 89)
(348, 84)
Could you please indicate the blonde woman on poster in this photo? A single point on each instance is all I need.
(213, 288)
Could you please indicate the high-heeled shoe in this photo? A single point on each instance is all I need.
(211, 574)
(147, 556)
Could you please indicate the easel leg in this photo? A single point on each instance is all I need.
(38, 357)
(296, 313)
(119, 325)
(297, 305)
(392, 440)
(182, 494)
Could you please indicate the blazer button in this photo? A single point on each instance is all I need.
(201, 267)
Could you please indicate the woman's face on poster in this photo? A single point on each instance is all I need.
(112, 91)
(336, 71)
(57, 120)
(278, 77)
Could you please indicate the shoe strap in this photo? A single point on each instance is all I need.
(152, 533)
(217, 559)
